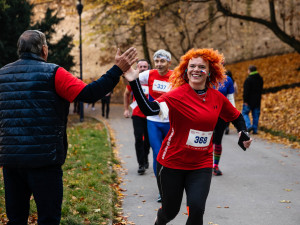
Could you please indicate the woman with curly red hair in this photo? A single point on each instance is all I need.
(216, 68)
(185, 159)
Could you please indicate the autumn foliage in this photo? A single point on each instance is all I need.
(279, 110)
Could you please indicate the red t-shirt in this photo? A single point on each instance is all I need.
(188, 144)
(67, 86)
(136, 111)
(158, 84)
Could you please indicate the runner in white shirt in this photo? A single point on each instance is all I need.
(158, 83)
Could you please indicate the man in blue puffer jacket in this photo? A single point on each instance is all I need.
(34, 102)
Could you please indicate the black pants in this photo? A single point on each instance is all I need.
(142, 145)
(105, 101)
(47, 188)
(76, 107)
(219, 131)
(172, 183)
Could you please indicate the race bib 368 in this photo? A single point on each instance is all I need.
(198, 138)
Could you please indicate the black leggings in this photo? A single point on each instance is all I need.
(219, 131)
(172, 183)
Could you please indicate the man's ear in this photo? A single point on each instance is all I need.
(45, 52)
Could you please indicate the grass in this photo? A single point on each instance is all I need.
(89, 196)
(280, 134)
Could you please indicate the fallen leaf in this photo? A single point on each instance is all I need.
(285, 201)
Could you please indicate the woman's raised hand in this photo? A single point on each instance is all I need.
(131, 74)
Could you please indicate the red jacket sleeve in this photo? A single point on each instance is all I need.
(67, 86)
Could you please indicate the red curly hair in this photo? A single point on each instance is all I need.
(216, 68)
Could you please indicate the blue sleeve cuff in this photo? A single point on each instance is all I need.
(116, 70)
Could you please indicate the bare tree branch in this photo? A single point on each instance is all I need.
(183, 33)
(168, 47)
(272, 12)
(272, 25)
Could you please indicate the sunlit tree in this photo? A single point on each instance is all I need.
(15, 18)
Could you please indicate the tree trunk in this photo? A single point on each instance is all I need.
(145, 43)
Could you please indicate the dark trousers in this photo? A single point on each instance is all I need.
(105, 101)
(142, 145)
(172, 183)
(76, 107)
(255, 117)
(219, 131)
(46, 186)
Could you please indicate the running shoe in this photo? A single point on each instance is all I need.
(250, 129)
(141, 170)
(159, 198)
(217, 171)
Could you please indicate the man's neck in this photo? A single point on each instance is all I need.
(29, 55)
(164, 73)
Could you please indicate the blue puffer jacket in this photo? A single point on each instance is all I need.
(33, 117)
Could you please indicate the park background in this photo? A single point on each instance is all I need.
(177, 26)
(263, 33)
(247, 32)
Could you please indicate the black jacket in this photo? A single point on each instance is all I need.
(33, 117)
(253, 87)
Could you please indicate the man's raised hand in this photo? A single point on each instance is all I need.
(127, 59)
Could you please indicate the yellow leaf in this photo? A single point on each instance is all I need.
(285, 201)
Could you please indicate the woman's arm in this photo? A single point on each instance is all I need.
(239, 123)
(147, 107)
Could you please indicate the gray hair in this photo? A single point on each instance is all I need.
(161, 53)
(31, 41)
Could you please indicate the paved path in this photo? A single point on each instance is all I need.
(249, 193)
